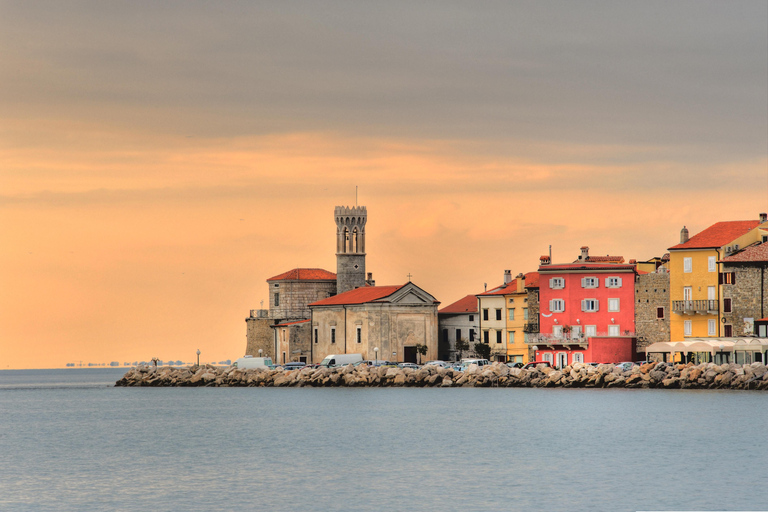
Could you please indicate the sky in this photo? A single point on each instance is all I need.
(160, 160)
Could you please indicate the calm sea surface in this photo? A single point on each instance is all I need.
(70, 441)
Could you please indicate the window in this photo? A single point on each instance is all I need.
(590, 330)
(613, 304)
(590, 305)
(333, 335)
(727, 278)
(315, 335)
(589, 282)
(498, 314)
(711, 264)
(471, 335)
(614, 330)
(557, 331)
(557, 283)
(498, 336)
(277, 299)
(578, 357)
(511, 313)
(557, 305)
(712, 327)
(613, 282)
(525, 313)
(660, 313)
(485, 314)
(687, 265)
(728, 332)
(471, 318)
(687, 328)
(687, 292)
(711, 293)
(575, 331)
(486, 337)
(458, 334)
(359, 334)
(727, 305)
(547, 357)
(511, 336)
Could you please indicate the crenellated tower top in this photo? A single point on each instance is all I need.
(350, 247)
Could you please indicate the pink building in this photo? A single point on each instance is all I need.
(587, 311)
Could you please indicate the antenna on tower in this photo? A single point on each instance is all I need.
(355, 195)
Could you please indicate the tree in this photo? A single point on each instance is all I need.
(421, 350)
(482, 350)
(461, 346)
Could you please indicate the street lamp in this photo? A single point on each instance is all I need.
(260, 351)
(198, 357)
(394, 357)
(535, 349)
(376, 353)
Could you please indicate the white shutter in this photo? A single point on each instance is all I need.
(583, 304)
(583, 282)
(551, 283)
(597, 305)
(552, 305)
(607, 282)
(619, 279)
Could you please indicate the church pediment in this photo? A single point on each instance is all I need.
(409, 294)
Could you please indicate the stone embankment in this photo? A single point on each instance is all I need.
(650, 375)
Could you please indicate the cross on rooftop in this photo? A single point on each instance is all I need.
(409, 277)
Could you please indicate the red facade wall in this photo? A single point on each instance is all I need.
(599, 350)
(573, 293)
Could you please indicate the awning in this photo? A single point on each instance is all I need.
(712, 345)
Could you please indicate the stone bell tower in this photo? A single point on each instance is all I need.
(350, 247)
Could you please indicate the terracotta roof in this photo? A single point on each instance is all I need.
(503, 289)
(291, 323)
(305, 274)
(585, 266)
(603, 259)
(359, 295)
(755, 253)
(718, 235)
(532, 280)
(466, 305)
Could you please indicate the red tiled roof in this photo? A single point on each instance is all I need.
(359, 295)
(291, 323)
(584, 266)
(466, 305)
(718, 235)
(755, 253)
(510, 287)
(305, 274)
(532, 280)
(605, 259)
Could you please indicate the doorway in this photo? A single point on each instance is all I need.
(409, 354)
(562, 360)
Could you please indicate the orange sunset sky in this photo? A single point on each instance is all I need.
(160, 160)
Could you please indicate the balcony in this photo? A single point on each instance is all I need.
(694, 307)
(567, 339)
(531, 327)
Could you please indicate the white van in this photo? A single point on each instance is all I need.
(248, 362)
(340, 360)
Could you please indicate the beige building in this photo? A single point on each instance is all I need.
(379, 322)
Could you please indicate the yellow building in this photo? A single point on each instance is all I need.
(696, 276)
(516, 314)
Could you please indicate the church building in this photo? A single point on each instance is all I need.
(313, 312)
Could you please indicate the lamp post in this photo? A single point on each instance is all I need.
(376, 354)
(535, 349)
(394, 357)
(198, 357)
(260, 351)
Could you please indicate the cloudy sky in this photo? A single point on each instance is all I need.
(160, 160)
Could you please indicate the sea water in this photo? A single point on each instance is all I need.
(71, 441)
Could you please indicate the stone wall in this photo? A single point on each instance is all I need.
(350, 271)
(293, 343)
(745, 297)
(259, 335)
(651, 293)
(295, 296)
(533, 315)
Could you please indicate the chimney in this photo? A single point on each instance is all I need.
(507, 276)
(520, 284)
(370, 281)
(683, 235)
(763, 218)
(485, 287)
(544, 260)
(584, 253)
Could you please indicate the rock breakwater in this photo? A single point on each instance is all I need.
(650, 375)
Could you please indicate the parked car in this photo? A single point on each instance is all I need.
(436, 363)
(340, 360)
(248, 362)
(294, 366)
(625, 366)
(409, 365)
(534, 364)
(515, 365)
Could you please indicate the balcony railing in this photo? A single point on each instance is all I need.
(692, 307)
(569, 339)
(531, 327)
